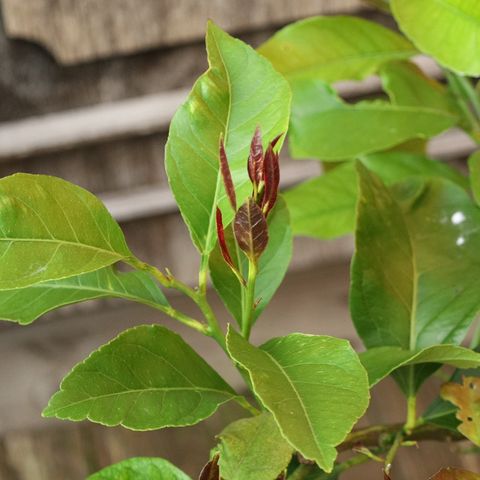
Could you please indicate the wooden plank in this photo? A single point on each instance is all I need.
(126, 118)
(77, 32)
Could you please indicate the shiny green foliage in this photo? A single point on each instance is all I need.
(239, 91)
(51, 229)
(334, 48)
(253, 448)
(146, 378)
(324, 207)
(24, 305)
(446, 29)
(141, 469)
(413, 281)
(320, 119)
(382, 361)
(301, 380)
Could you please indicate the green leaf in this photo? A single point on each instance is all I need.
(272, 265)
(147, 378)
(448, 30)
(25, 305)
(253, 448)
(382, 361)
(140, 469)
(51, 229)
(302, 379)
(417, 263)
(324, 207)
(334, 48)
(406, 84)
(239, 91)
(474, 169)
(325, 127)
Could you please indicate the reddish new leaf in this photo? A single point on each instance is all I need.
(211, 470)
(455, 474)
(272, 180)
(251, 230)
(227, 176)
(221, 239)
(467, 398)
(255, 159)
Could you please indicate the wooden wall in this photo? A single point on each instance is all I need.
(88, 89)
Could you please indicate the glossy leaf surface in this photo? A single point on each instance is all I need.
(253, 448)
(25, 305)
(474, 169)
(406, 84)
(140, 469)
(382, 361)
(239, 91)
(417, 263)
(301, 380)
(51, 229)
(324, 207)
(445, 29)
(146, 378)
(466, 397)
(334, 48)
(321, 120)
(272, 265)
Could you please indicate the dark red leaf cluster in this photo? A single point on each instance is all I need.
(211, 470)
(250, 222)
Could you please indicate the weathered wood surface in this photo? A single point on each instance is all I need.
(125, 118)
(76, 31)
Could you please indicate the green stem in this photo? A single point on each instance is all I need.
(308, 470)
(198, 296)
(411, 413)
(202, 275)
(247, 406)
(248, 307)
(393, 451)
(214, 329)
(411, 421)
(470, 92)
(467, 100)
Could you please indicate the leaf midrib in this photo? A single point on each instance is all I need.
(61, 242)
(211, 221)
(310, 426)
(197, 390)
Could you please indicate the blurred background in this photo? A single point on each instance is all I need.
(87, 92)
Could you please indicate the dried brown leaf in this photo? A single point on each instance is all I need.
(455, 474)
(466, 397)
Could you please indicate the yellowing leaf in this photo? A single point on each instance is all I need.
(467, 398)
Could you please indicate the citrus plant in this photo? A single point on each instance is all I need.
(414, 278)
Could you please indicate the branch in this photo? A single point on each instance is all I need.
(379, 434)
